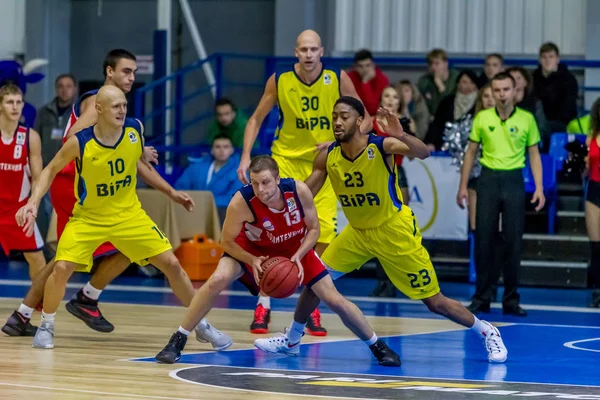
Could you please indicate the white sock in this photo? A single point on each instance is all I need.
(186, 333)
(25, 311)
(265, 301)
(294, 334)
(372, 340)
(91, 292)
(48, 317)
(479, 327)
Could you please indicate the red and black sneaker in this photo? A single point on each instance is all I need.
(262, 317)
(87, 310)
(313, 326)
(19, 325)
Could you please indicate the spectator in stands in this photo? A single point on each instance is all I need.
(592, 203)
(413, 107)
(439, 81)
(229, 122)
(50, 123)
(452, 108)
(526, 100)
(581, 125)
(505, 134)
(485, 100)
(53, 117)
(216, 172)
(368, 80)
(556, 87)
(494, 64)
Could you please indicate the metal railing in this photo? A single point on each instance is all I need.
(193, 104)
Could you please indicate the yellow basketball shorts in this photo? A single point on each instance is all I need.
(397, 245)
(137, 237)
(325, 201)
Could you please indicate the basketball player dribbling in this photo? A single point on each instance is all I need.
(119, 70)
(305, 95)
(272, 217)
(363, 176)
(20, 164)
(107, 208)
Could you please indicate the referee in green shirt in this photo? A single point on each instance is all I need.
(505, 133)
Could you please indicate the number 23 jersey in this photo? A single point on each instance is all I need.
(274, 232)
(366, 187)
(105, 184)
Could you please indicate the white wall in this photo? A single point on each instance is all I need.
(514, 27)
(12, 28)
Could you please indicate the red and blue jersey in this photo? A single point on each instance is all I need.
(75, 113)
(15, 175)
(275, 232)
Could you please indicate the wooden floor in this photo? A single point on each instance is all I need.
(91, 365)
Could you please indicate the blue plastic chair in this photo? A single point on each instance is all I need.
(550, 186)
(557, 147)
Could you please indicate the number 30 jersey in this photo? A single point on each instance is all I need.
(107, 176)
(275, 232)
(366, 187)
(304, 113)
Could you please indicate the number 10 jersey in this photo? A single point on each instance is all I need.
(105, 184)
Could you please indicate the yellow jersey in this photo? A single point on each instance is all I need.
(366, 187)
(304, 113)
(106, 176)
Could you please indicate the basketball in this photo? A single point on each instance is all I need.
(280, 279)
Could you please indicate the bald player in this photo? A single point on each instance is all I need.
(106, 156)
(305, 95)
(119, 69)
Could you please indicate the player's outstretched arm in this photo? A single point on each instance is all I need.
(238, 213)
(36, 163)
(87, 118)
(347, 89)
(153, 178)
(317, 178)
(266, 104)
(68, 152)
(399, 141)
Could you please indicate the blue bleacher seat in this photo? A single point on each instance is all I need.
(550, 187)
(557, 147)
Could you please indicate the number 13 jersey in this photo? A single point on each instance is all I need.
(105, 184)
(275, 231)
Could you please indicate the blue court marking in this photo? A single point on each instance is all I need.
(536, 355)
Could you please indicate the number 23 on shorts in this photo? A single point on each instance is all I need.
(422, 276)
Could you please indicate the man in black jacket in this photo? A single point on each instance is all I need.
(556, 87)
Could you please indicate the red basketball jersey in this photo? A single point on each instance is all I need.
(69, 169)
(15, 175)
(275, 232)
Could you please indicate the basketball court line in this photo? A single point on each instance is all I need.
(137, 396)
(365, 299)
(571, 345)
(321, 341)
(173, 373)
(396, 376)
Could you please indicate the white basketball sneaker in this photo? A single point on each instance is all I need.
(44, 337)
(206, 333)
(278, 345)
(497, 352)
